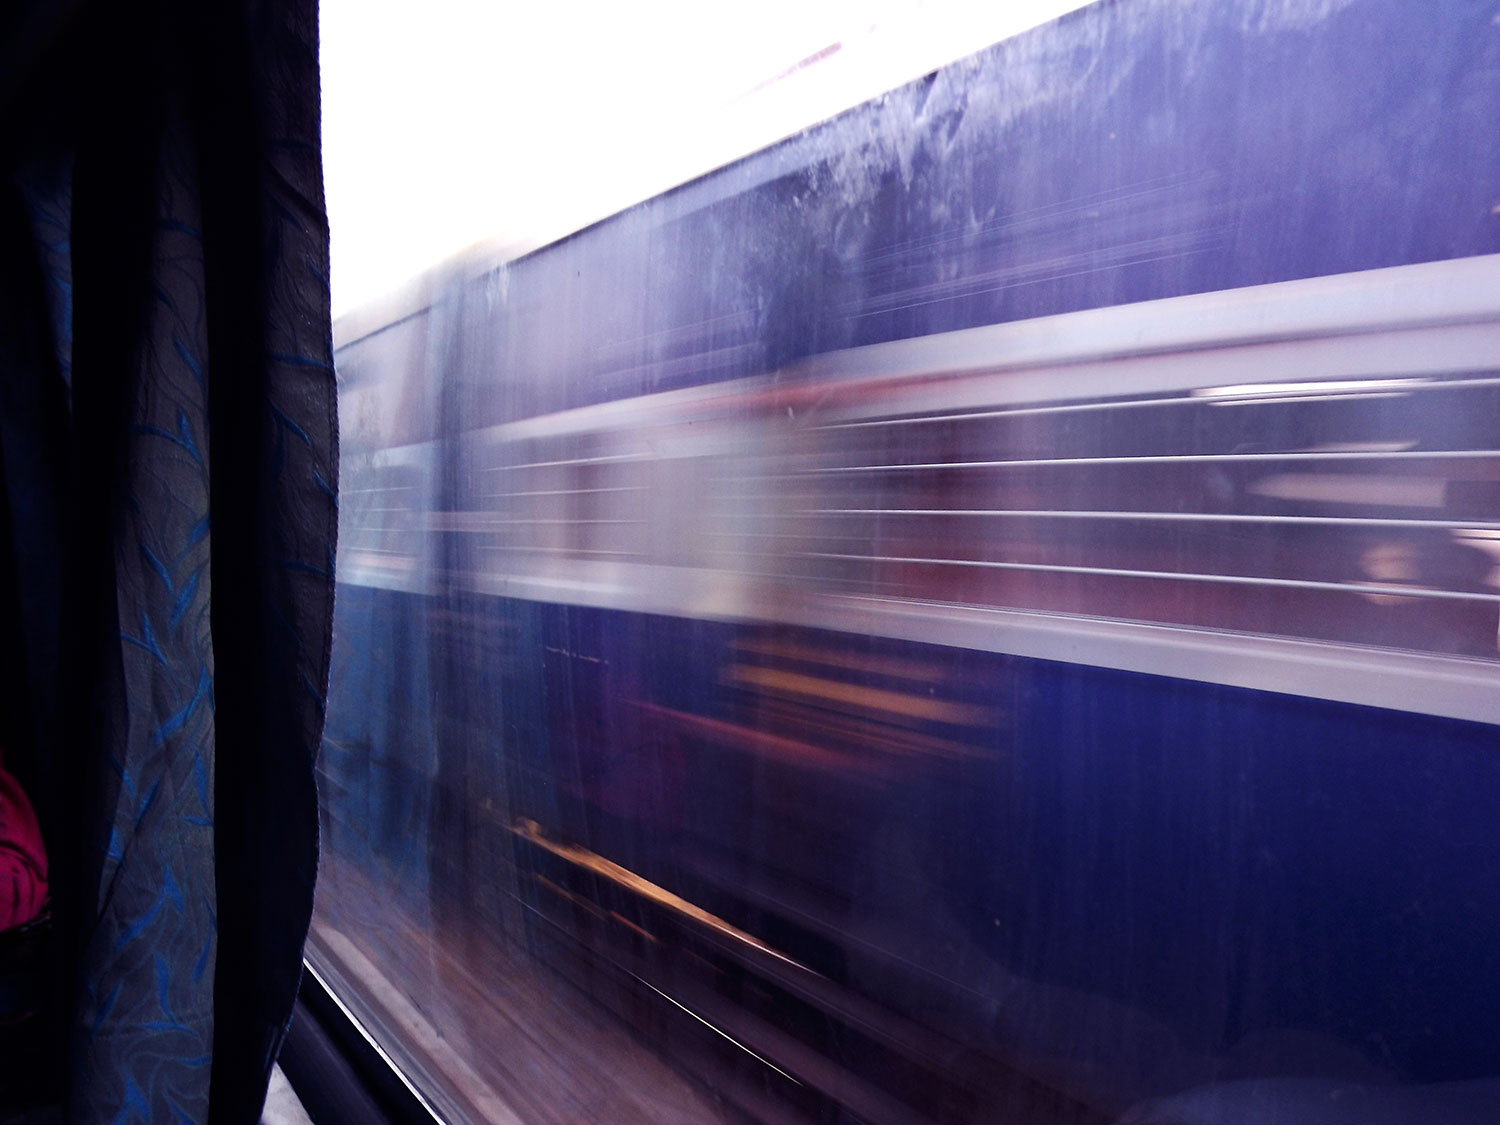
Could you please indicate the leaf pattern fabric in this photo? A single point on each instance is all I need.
(177, 264)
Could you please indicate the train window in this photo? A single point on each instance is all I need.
(981, 604)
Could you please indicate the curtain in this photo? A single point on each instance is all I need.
(168, 445)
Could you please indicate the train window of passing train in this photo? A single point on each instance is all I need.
(981, 609)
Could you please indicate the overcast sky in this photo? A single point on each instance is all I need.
(454, 122)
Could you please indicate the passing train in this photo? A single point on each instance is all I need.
(987, 609)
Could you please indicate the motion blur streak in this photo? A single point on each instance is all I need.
(984, 611)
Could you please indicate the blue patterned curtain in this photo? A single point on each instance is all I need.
(169, 453)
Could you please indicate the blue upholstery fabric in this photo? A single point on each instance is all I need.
(176, 593)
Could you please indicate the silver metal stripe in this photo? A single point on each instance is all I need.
(1174, 517)
(570, 491)
(1189, 399)
(1421, 683)
(1457, 291)
(1164, 459)
(604, 460)
(1428, 351)
(542, 550)
(1392, 589)
(522, 521)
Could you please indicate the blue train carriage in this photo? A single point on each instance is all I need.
(989, 604)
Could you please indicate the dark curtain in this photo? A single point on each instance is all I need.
(168, 450)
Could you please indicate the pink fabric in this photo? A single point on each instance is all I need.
(23, 859)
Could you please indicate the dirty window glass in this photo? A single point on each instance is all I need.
(982, 609)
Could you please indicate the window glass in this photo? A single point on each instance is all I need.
(983, 609)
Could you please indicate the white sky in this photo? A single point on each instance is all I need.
(455, 121)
